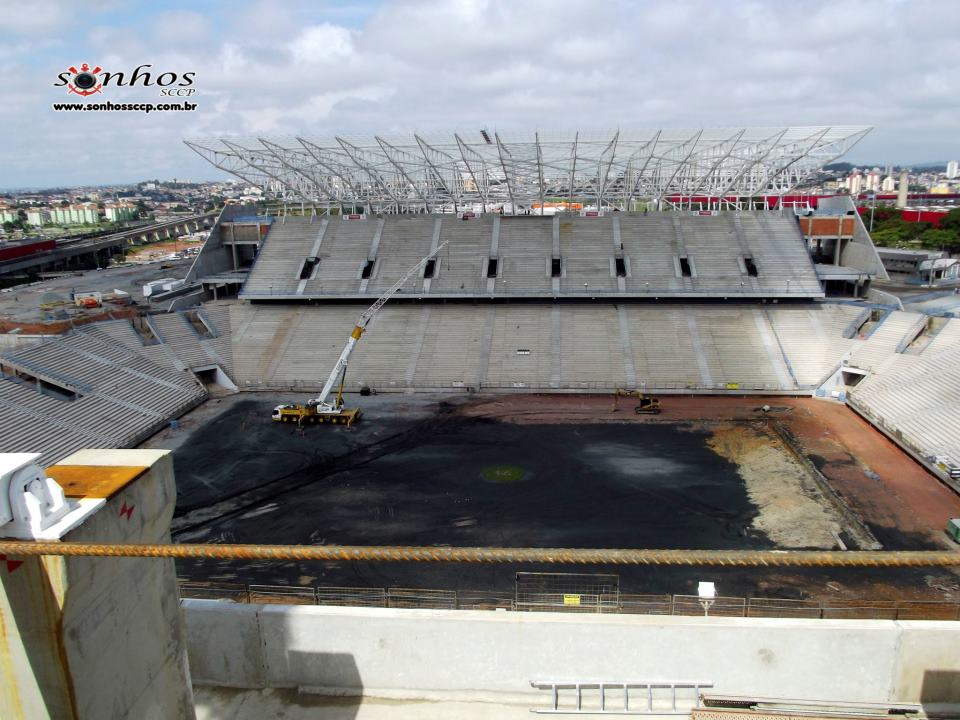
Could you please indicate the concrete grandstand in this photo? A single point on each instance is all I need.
(493, 428)
(748, 255)
(713, 299)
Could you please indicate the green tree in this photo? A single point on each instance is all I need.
(938, 238)
(951, 221)
(895, 232)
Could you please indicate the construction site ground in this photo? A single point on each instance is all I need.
(44, 307)
(559, 471)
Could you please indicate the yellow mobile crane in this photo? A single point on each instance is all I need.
(318, 410)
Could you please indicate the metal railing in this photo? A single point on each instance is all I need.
(626, 603)
(736, 387)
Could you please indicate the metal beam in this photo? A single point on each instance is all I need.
(394, 173)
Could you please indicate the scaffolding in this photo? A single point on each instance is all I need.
(527, 173)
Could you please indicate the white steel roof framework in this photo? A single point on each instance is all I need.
(490, 170)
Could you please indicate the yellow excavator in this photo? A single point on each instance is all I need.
(647, 406)
(318, 410)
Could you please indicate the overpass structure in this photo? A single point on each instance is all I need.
(72, 253)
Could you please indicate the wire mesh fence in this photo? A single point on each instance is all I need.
(716, 606)
(571, 592)
(582, 594)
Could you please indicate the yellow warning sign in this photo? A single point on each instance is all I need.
(733, 386)
(571, 599)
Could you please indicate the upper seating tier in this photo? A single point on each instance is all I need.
(618, 255)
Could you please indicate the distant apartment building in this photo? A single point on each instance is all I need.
(889, 184)
(38, 217)
(80, 214)
(120, 212)
(872, 182)
(8, 214)
(953, 169)
(854, 182)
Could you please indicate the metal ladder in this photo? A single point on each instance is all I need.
(647, 687)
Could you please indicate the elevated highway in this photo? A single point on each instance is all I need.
(87, 252)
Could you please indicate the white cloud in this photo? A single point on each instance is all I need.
(321, 44)
(180, 27)
(430, 64)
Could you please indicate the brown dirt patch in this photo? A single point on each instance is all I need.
(793, 512)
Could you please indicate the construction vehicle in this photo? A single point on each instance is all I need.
(647, 406)
(318, 410)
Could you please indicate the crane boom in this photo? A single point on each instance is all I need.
(365, 317)
(320, 402)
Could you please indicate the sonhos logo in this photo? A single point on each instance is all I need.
(87, 80)
(83, 81)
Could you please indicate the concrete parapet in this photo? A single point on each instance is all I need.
(468, 655)
(93, 638)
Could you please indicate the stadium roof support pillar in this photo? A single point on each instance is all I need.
(541, 183)
(506, 173)
(573, 167)
(751, 164)
(413, 184)
(479, 181)
(355, 154)
(603, 173)
(634, 182)
(438, 175)
(679, 166)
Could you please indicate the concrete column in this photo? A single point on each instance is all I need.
(902, 189)
(91, 638)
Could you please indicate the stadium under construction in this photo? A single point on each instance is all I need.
(632, 340)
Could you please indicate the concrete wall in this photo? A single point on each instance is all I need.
(126, 644)
(215, 257)
(884, 298)
(93, 638)
(13, 341)
(859, 252)
(471, 655)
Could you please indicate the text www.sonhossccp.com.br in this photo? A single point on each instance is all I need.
(125, 107)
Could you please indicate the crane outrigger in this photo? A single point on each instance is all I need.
(318, 409)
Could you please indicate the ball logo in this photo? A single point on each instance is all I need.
(84, 81)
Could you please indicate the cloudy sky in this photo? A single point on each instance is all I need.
(278, 68)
